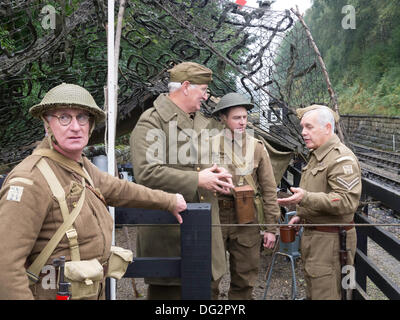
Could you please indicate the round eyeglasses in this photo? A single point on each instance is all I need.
(65, 119)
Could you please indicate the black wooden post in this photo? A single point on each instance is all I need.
(194, 265)
(196, 253)
(362, 245)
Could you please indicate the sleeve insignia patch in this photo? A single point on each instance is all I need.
(348, 169)
(348, 185)
(23, 180)
(15, 193)
(345, 158)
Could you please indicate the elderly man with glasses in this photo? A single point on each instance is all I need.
(54, 204)
(166, 148)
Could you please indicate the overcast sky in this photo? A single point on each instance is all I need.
(285, 4)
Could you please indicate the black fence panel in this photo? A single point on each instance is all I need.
(194, 264)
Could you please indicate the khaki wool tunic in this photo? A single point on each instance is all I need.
(243, 243)
(168, 134)
(260, 170)
(332, 180)
(30, 215)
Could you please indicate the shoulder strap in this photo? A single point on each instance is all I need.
(34, 270)
(54, 185)
(249, 178)
(70, 164)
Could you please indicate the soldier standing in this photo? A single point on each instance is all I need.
(329, 193)
(160, 142)
(54, 203)
(250, 165)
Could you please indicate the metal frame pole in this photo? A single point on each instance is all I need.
(111, 114)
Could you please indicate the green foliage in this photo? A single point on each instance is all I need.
(363, 63)
(5, 42)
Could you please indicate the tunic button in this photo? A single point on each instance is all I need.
(198, 169)
(74, 204)
(201, 198)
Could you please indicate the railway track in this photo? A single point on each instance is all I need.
(389, 161)
(380, 176)
(380, 166)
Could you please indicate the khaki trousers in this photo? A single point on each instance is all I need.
(321, 262)
(243, 245)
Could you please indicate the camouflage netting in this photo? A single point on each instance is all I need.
(262, 53)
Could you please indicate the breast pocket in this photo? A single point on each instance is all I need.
(318, 179)
(318, 170)
(73, 194)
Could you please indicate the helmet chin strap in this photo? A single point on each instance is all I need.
(91, 128)
(50, 135)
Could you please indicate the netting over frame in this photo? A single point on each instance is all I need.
(259, 52)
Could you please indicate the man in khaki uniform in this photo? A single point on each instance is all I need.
(166, 154)
(54, 183)
(250, 158)
(329, 193)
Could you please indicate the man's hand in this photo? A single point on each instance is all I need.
(298, 194)
(180, 206)
(269, 240)
(216, 179)
(295, 220)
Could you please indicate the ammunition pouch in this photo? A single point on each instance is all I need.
(244, 203)
(85, 277)
(118, 262)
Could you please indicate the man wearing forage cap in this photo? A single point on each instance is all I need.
(329, 193)
(176, 119)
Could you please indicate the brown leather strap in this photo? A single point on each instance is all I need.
(331, 229)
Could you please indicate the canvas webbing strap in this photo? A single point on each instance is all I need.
(249, 178)
(68, 163)
(66, 228)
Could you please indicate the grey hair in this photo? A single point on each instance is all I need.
(324, 116)
(173, 86)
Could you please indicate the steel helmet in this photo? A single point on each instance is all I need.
(232, 99)
(70, 96)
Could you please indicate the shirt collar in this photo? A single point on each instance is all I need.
(44, 144)
(323, 150)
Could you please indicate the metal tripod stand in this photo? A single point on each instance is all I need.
(289, 250)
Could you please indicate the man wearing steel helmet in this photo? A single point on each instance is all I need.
(175, 118)
(46, 189)
(248, 161)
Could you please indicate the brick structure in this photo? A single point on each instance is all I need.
(377, 132)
